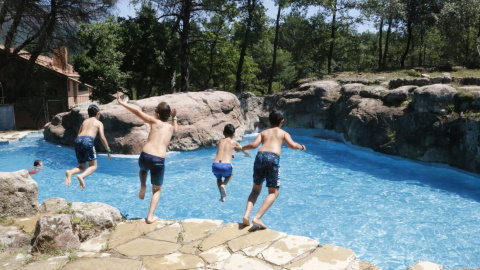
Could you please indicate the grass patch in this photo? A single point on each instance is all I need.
(72, 256)
(8, 221)
(106, 247)
(66, 210)
(3, 247)
(79, 222)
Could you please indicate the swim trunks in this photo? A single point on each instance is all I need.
(222, 169)
(84, 149)
(154, 164)
(267, 166)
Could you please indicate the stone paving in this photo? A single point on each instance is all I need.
(13, 135)
(193, 244)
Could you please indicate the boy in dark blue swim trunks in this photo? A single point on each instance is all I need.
(267, 165)
(222, 165)
(154, 151)
(84, 146)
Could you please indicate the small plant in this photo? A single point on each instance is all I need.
(8, 221)
(72, 256)
(66, 210)
(199, 247)
(391, 133)
(180, 238)
(450, 109)
(30, 259)
(106, 247)
(78, 221)
(51, 250)
(3, 246)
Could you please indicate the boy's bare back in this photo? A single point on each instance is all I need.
(225, 150)
(90, 127)
(158, 139)
(272, 140)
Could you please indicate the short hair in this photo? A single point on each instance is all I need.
(93, 110)
(163, 110)
(275, 117)
(36, 162)
(228, 130)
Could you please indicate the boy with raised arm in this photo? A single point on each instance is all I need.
(222, 165)
(267, 165)
(84, 146)
(154, 151)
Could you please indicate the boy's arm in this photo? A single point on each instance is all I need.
(80, 130)
(253, 144)
(103, 139)
(173, 114)
(237, 147)
(293, 145)
(145, 117)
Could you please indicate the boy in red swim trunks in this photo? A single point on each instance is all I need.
(267, 165)
(222, 165)
(84, 146)
(154, 151)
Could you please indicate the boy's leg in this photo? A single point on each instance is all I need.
(219, 184)
(272, 196)
(69, 173)
(92, 166)
(143, 184)
(157, 190)
(250, 203)
(223, 191)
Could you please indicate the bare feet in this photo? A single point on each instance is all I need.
(246, 222)
(259, 222)
(141, 194)
(68, 177)
(80, 180)
(223, 193)
(151, 220)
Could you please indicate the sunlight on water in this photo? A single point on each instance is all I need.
(391, 212)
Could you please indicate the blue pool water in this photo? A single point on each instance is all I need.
(391, 212)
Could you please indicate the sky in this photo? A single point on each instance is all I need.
(124, 9)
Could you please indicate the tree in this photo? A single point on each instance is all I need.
(281, 4)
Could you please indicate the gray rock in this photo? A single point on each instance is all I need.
(53, 205)
(98, 214)
(18, 193)
(397, 96)
(12, 236)
(55, 231)
(349, 90)
(201, 118)
(470, 81)
(377, 92)
(433, 98)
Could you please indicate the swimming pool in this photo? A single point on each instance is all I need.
(391, 212)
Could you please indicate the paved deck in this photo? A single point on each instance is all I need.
(13, 135)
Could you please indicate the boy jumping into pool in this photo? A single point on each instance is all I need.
(154, 151)
(222, 165)
(267, 165)
(84, 146)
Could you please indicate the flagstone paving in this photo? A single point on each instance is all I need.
(195, 244)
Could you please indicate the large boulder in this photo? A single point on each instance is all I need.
(98, 214)
(12, 236)
(52, 205)
(201, 118)
(18, 193)
(55, 232)
(433, 98)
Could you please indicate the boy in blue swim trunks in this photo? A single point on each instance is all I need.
(267, 165)
(222, 165)
(154, 151)
(84, 146)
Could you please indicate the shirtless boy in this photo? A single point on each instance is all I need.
(222, 165)
(84, 146)
(154, 151)
(267, 165)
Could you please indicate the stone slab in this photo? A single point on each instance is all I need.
(254, 238)
(95, 244)
(255, 250)
(199, 228)
(288, 248)
(191, 248)
(239, 261)
(363, 265)
(226, 233)
(169, 233)
(215, 254)
(104, 264)
(147, 247)
(50, 264)
(326, 257)
(173, 261)
(424, 265)
(127, 231)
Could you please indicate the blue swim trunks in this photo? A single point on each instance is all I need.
(267, 166)
(222, 169)
(84, 149)
(154, 164)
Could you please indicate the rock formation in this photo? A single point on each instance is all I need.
(18, 193)
(201, 118)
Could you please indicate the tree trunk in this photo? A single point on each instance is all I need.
(243, 51)
(185, 45)
(409, 40)
(387, 40)
(7, 4)
(380, 37)
(275, 45)
(420, 51)
(332, 37)
(211, 65)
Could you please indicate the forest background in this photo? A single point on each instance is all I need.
(232, 45)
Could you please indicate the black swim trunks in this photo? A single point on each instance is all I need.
(85, 149)
(267, 166)
(154, 164)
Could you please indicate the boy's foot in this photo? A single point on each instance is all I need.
(246, 222)
(141, 194)
(259, 223)
(222, 199)
(68, 177)
(151, 220)
(82, 184)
